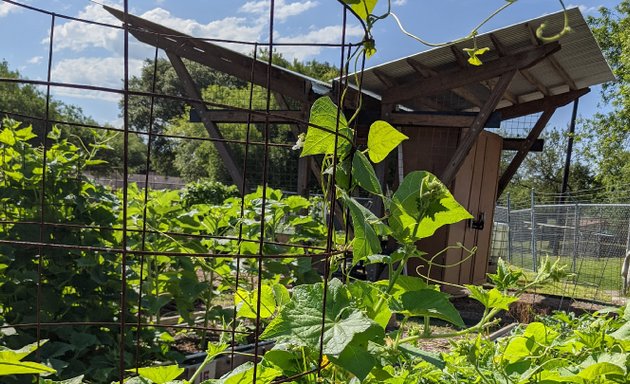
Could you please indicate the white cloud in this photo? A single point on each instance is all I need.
(326, 35)
(400, 2)
(229, 28)
(79, 36)
(6, 8)
(95, 71)
(282, 10)
(35, 59)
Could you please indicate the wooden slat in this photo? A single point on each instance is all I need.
(430, 119)
(213, 131)
(510, 144)
(516, 162)
(259, 117)
(534, 81)
(214, 56)
(503, 51)
(475, 94)
(461, 77)
(540, 105)
(477, 126)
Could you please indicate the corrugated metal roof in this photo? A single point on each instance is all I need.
(580, 57)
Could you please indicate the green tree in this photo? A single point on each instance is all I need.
(199, 159)
(543, 171)
(165, 109)
(608, 134)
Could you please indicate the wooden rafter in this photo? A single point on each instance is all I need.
(216, 57)
(258, 117)
(485, 85)
(462, 77)
(213, 131)
(503, 51)
(392, 83)
(469, 140)
(522, 152)
(537, 106)
(471, 93)
(554, 62)
(512, 144)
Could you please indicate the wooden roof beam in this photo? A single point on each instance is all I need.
(430, 119)
(476, 127)
(470, 75)
(536, 106)
(256, 117)
(554, 62)
(213, 131)
(525, 148)
(216, 57)
(503, 51)
(474, 95)
(391, 83)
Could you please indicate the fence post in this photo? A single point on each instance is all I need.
(509, 229)
(533, 219)
(576, 237)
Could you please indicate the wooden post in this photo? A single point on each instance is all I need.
(448, 175)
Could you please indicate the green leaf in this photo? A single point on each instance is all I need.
(7, 137)
(215, 350)
(16, 367)
(364, 174)
(367, 228)
(382, 139)
(7, 354)
(473, 53)
(367, 296)
(160, 374)
(324, 114)
(404, 284)
(246, 302)
(427, 356)
(594, 372)
(421, 205)
(362, 8)
(244, 374)
(519, 347)
(428, 302)
(95, 162)
(491, 299)
(356, 358)
(542, 334)
(74, 380)
(300, 321)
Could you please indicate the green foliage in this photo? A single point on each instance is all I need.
(607, 135)
(12, 363)
(207, 192)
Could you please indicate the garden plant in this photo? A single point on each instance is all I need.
(332, 330)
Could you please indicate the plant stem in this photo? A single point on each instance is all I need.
(392, 280)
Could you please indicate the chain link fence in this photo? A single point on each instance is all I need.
(590, 239)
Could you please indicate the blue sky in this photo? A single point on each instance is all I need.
(93, 55)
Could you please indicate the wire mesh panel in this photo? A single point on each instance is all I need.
(108, 267)
(590, 239)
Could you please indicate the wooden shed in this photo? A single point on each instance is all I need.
(446, 106)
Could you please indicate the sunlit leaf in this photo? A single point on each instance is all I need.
(382, 139)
